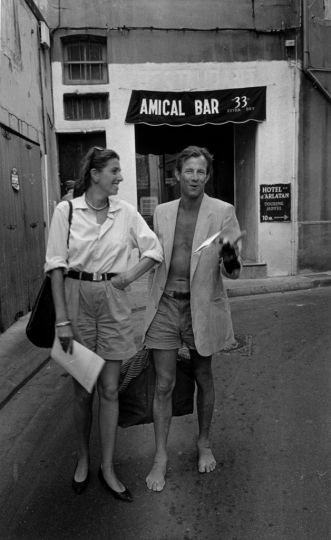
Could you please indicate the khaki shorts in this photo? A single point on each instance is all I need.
(171, 327)
(101, 318)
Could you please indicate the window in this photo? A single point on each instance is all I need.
(327, 9)
(85, 60)
(86, 106)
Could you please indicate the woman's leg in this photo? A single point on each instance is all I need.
(83, 419)
(108, 418)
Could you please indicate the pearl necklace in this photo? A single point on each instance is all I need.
(94, 207)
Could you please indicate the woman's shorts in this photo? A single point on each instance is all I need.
(101, 318)
(171, 327)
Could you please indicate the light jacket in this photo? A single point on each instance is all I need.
(210, 310)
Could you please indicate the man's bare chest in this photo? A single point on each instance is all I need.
(184, 231)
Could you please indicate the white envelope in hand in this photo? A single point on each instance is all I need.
(207, 242)
(84, 365)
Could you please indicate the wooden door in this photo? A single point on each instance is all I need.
(22, 232)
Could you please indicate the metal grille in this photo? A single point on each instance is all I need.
(86, 107)
(85, 61)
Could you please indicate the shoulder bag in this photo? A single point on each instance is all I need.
(137, 387)
(40, 329)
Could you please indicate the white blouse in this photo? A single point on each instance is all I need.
(99, 248)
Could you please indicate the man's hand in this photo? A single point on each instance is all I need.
(229, 252)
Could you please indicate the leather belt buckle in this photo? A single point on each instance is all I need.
(181, 295)
(96, 276)
(178, 295)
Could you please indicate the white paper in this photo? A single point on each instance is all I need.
(207, 242)
(84, 365)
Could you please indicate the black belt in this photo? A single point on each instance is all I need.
(178, 295)
(89, 276)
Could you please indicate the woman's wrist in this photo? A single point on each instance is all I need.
(128, 277)
(59, 324)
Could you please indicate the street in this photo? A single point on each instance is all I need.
(271, 438)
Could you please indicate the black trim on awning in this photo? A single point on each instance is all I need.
(237, 105)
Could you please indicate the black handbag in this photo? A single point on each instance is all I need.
(40, 329)
(137, 386)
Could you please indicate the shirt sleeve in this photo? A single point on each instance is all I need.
(146, 240)
(56, 252)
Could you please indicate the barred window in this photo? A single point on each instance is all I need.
(86, 106)
(85, 60)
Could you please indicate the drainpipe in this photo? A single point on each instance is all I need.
(294, 223)
(317, 83)
(45, 156)
(305, 35)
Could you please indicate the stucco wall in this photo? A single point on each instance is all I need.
(20, 97)
(144, 45)
(314, 180)
(255, 14)
(25, 89)
(276, 137)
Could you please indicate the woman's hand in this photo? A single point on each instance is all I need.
(65, 335)
(120, 281)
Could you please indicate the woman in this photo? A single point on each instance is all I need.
(88, 281)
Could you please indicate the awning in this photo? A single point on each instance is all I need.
(237, 105)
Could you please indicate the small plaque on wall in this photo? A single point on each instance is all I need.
(14, 179)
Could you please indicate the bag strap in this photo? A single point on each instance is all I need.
(69, 220)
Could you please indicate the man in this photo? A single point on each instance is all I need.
(188, 303)
(69, 194)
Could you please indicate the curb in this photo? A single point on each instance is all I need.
(19, 360)
(273, 285)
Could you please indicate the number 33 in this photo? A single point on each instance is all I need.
(241, 101)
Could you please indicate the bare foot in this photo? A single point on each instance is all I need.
(206, 461)
(156, 478)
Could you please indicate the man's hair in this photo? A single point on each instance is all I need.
(194, 151)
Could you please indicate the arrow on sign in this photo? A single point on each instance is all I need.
(285, 218)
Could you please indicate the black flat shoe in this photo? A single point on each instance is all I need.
(121, 495)
(79, 487)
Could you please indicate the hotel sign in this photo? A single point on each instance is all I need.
(275, 202)
(197, 108)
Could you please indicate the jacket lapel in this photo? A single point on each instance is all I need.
(170, 220)
(201, 232)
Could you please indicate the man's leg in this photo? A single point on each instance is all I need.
(205, 408)
(165, 367)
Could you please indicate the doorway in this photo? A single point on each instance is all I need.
(233, 179)
(72, 147)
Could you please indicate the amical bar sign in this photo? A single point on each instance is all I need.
(197, 108)
(275, 202)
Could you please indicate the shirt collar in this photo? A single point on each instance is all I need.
(114, 203)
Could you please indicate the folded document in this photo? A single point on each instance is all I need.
(84, 365)
(207, 242)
